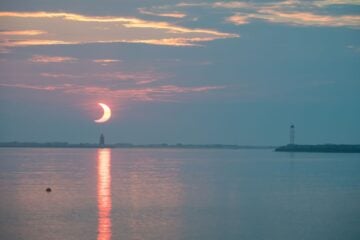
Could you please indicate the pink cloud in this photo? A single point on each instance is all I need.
(51, 59)
(33, 87)
(23, 32)
(159, 93)
(61, 75)
(82, 29)
(232, 5)
(106, 61)
(138, 78)
(238, 19)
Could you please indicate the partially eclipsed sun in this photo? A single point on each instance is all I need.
(106, 115)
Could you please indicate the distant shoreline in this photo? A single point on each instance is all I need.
(321, 148)
(324, 148)
(127, 145)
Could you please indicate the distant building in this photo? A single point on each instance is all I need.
(102, 140)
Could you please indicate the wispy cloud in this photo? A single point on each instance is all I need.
(354, 48)
(181, 42)
(102, 61)
(81, 29)
(220, 4)
(296, 18)
(61, 75)
(273, 4)
(106, 62)
(32, 87)
(32, 42)
(137, 78)
(325, 3)
(291, 12)
(190, 4)
(162, 14)
(51, 59)
(22, 32)
(231, 5)
(308, 18)
(159, 93)
(238, 19)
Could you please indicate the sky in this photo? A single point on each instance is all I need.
(196, 72)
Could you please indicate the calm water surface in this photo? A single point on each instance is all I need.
(139, 194)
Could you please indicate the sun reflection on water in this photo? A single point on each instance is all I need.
(104, 193)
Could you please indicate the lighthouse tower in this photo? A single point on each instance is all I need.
(102, 140)
(292, 134)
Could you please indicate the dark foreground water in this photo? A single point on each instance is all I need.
(178, 194)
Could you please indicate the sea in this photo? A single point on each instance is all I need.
(178, 194)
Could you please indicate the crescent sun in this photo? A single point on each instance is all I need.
(106, 115)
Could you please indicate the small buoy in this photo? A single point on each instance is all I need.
(48, 189)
